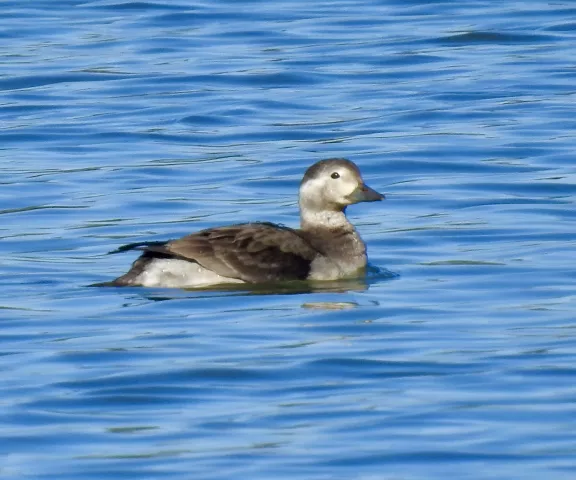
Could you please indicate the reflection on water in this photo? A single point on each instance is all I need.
(330, 305)
(293, 287)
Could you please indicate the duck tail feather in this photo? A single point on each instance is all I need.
(138, 246)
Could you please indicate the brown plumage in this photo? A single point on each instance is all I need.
(251, 252)
(326, 247)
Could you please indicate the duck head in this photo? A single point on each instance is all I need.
(333, 184)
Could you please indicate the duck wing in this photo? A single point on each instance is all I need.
(252, 252)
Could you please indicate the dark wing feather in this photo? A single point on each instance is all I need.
(141, 263)
(253, 252)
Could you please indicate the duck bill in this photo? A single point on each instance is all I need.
(365, 194)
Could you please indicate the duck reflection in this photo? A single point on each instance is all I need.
(351, 285)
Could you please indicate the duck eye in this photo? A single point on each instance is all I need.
(335, 175)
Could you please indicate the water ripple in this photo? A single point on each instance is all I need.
(130, 121)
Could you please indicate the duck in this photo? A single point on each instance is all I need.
(325, 247)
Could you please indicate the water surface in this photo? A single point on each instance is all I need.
(129, 121)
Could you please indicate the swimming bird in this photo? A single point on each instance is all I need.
(325, 247)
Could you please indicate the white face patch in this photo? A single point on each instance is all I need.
(331, 187)
(342, 187)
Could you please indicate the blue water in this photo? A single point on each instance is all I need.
(128, 121)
